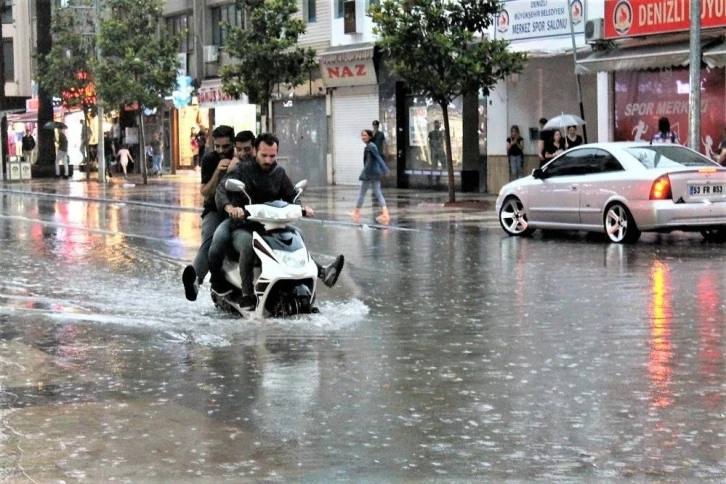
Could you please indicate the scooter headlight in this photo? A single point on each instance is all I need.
(296, 259)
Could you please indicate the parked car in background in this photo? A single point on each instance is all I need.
(620, 189)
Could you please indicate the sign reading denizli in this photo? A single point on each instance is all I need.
(533, 19)
(631, 18)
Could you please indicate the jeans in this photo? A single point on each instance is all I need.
(242, 241)
(376, 191)
(516, 167)
(210, 222)
(156, 163)
(61, 157)
(221, 243)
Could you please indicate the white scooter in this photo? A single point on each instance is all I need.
(287, 280)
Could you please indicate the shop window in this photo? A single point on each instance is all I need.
(9, 55)
(426, 137)
(222, 18)
(182, 25)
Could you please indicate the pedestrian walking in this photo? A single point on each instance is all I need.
(61, 155)
(572, 139)
(28, 147)
(124, 156)
(109, 152)
(664, 134)
(194, 144)
(515, 153)
(374, 168)
(156, 154)
(437, 153)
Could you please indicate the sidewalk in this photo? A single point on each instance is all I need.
(408, 207)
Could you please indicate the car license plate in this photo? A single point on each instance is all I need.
(706, 191)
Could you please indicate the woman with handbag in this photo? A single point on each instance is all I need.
(374, 168)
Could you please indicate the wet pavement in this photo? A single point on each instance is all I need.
(447, 351)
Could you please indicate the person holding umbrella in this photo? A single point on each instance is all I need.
(572, 139)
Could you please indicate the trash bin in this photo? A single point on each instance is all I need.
(25, 173)
(13, 168)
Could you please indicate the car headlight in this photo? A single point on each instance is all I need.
(296, 259)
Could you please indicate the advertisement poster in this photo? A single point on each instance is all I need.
(643, 97)
(417, 125)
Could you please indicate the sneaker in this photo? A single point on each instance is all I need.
(247, 302)
(191, 285)
(332, 271)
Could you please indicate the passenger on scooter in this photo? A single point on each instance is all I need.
(214, 168)
(265, 181)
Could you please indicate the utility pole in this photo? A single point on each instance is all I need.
(101, 151)
(694, 79)
(577, 74)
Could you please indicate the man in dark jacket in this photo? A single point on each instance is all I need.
(28, 145)
(214, 168)
(265, 181)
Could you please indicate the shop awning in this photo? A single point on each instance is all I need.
(715, 56)
(347, 53)
(635, 58)
(27, 117)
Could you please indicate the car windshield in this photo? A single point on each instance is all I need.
(668, 156)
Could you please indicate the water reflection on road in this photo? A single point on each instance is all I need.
(457, 354)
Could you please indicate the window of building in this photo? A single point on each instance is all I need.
(339, 10)
(182, 25)
(222, 18)
(309, 12)
(7, 14)
(9, 60)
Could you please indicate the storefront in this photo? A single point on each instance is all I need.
(349, 75)
(301, 125)
(645, 72)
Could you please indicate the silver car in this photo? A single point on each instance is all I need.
(621, 189)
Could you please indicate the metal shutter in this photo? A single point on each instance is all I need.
(352, 112)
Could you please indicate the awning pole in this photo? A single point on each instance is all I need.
(694, 97)
(577, 75)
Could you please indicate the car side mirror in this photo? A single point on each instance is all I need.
(538, 173)
(233, 185)
(301, 185)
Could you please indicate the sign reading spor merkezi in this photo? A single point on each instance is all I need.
(534, 19)
(631, 18)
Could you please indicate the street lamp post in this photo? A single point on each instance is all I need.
(694, 81)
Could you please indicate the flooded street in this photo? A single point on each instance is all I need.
(444, 353)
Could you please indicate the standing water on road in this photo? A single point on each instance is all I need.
(442, 353)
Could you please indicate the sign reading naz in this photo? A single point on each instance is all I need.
(356, 70)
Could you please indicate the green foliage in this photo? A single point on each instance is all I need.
(72, 52)
(439, 47)
(138, 64)
(266, 51)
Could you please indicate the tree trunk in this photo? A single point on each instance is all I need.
(449, 159)
(85, 140)
(142, 147)
(46, 137)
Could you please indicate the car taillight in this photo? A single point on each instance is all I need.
(661, 189)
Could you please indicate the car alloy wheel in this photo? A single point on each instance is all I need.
(512, 217)
(620, 226)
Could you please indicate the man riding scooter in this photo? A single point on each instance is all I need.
(265, 181)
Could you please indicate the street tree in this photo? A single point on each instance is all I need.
(265, 52)
(66, 71)
(440, 50)
(138, 64)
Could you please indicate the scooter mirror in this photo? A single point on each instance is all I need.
(233, 185)
(301, 185)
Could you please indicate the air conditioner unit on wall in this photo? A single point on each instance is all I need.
(594, 30)
(210, 53)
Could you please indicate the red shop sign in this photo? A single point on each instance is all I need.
(631, 18)
(642, 97)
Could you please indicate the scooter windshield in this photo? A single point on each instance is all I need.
(288, 240)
